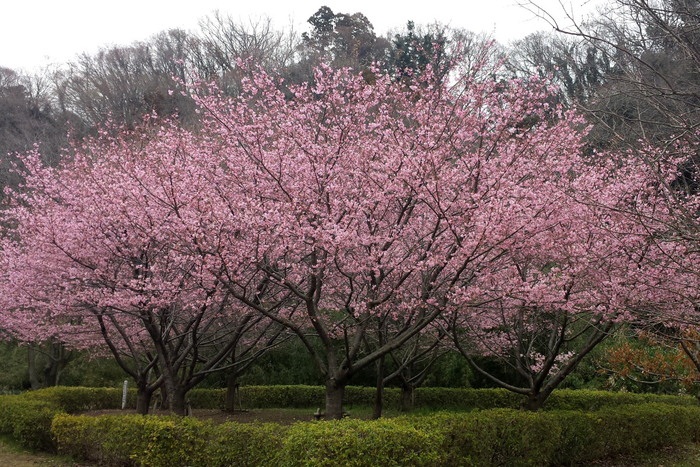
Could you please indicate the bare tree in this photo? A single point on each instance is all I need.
(652, 89)
(223, 41)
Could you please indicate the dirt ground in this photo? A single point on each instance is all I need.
(12, 456)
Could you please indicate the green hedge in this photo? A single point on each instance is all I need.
(495, 437)
(28, 421)
(479, 438)
(81, 399)
(166, 441)
(579, 399)
(560, 437)
(27, 417)
(624, 430)
(385, 442)
(426, 398)
(466, 399)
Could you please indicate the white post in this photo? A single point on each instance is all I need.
(126, 386)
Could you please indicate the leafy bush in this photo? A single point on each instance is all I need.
(612, 431)
(481, 438)
(283, 396)
(466, 399)
(622, 424)
(207, 398)
(495, 437)
(79, 436)
(27, 421)
(427, 398)
(121, 439)
(580, 399)
(166, 441)
(244, 445)
(511, 437)
(81, 399)
(387, 442)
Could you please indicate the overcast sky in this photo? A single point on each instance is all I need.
(36, 33)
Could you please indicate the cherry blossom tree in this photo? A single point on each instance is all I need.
(94, 254)
(353, 204)
(561, 291)
(671, 224)
(336, 210)
(410, 366)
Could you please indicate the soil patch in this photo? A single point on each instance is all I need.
(13, 456)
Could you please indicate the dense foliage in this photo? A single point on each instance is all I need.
(580, 427)
(491, 437)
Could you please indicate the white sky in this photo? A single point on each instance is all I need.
(36, 33)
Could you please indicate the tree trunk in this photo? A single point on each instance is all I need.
(31, 361)
(535, 401)
(164, 397)
(408, 397)
(58, 361)
(379, 393)
(143, 400)
(51, 372)
(232, 394)
(334, 399)
(174, 393)
(178, 402)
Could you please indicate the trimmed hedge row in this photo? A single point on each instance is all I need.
(314, 396)
(27, 417)
(428, 398)
(82, 399)
(166, 441)
(480, 438)
(560, 437)
(28, 421)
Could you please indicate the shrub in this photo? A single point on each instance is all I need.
(27, 421)
(79, 436)
(495, 437)
(207, 398)
(283, 396)
(357, 443)
(466, 399)
(621, 424)
(81, 399)
(612, 431)
(261, 397)
(123, 439)
(166, 441)
(480, 438)
(172, 441)
(426, 398)
(244, 445)
(579, 399)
